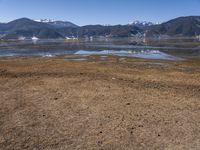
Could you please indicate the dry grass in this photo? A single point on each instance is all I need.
(59, 104)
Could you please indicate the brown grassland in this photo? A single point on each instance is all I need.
(59, 104)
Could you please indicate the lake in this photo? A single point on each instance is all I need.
(167, 49)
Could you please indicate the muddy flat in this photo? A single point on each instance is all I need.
(59, 104)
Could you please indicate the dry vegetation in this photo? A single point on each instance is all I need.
(127, 104)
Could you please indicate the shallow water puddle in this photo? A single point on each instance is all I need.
(76, 59)
(147, 54)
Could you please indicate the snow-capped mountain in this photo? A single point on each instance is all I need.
(45, 20)
(142, 23)
(50, 29)
(57, 24)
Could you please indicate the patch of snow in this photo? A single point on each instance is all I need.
(45, 20)
(142, 23)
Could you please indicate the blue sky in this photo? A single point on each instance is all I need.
(84, 12)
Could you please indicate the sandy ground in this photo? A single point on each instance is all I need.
(133, 104)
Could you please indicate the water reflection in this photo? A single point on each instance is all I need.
(125, 47)
(148, 54)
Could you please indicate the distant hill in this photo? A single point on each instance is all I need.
(28, 28)
(1, 27)
(100, 30)
(62, 24)
(49, 29)
(182, 26)
(57, 24)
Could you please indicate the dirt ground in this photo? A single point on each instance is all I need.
(130, 104)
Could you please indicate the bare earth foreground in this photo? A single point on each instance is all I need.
(54, 103)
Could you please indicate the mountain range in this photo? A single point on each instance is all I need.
(49, 29)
